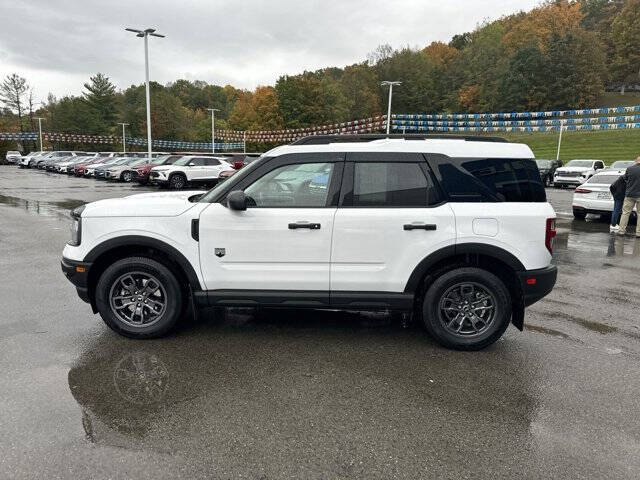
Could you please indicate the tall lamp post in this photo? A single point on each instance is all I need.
(390, 85)
(145, 34)
(213, 128)
(40, 130)
(124, 146)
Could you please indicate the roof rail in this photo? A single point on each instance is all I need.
(326, 139)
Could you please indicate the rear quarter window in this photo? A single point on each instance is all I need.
(491, 180)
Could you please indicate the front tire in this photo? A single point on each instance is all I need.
(466, 309)
(126, 177)
(139, 297)
(177, 181)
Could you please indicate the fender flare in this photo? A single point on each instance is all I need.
(461, 249)
(141, 241)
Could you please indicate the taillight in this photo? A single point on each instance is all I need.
(550, 234)
(582, 190)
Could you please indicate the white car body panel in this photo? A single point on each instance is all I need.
(518, 228)
(372, 252)
(261, 252)
(599, 198)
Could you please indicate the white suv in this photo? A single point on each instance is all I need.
(189, 169)
(457, 231)
(576, 172)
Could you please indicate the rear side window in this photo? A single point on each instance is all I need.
(212, 161)
(491, 180)
(197, 161)
(392, 184)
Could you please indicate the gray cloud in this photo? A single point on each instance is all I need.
(58, 44)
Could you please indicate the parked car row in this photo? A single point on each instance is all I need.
(165, 169)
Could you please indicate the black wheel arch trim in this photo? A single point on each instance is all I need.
(141, 241)
(461, 249)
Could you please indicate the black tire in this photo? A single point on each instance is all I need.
(439, 293)
(110, 285)
(177, 181)
(579, 214)
(126, 176)
(547, 181)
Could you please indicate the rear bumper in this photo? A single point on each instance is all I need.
(78, 274)
(537, 284)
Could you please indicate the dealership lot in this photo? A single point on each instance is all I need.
(311, 394)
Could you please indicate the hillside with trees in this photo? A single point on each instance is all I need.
(562, 54)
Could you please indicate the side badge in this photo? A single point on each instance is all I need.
(220, 252)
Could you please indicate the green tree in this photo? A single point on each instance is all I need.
(100, 96)
(12, 94)
(525, 84)
(626, 43)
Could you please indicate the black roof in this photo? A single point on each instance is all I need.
(326, 139)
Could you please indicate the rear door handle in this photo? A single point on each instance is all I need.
(420, 226)
(310, 226)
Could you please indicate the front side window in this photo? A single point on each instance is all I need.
(392, 184)
(298, 185)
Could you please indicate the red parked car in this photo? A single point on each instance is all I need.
(142, 171)
(237, 165)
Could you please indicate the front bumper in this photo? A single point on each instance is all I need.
(569, 180)
(537, 284)
(78, 274)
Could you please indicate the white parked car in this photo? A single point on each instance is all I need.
(13, 156)
(66, 166)
(91, 169)
(594, 196)
(189, 169)
(29, 159)
(457, 231)
(576, 172)
(125, 171)
(621, 165)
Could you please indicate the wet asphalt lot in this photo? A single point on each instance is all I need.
(311, 395)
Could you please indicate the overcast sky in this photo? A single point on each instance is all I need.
(58, 44)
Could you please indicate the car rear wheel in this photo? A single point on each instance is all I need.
(466, 309)
(139, 297)
(579, 214)
(126, 176)
(177, 181)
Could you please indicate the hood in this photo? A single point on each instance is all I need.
(573, 169)
(156, 204)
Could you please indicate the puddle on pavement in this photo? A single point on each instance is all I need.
(547, 331)
(41, 207)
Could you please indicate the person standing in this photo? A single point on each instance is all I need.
(631, 197)
(618, 190)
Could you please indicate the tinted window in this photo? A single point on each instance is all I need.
(298, 185)
(212, 161)
(391, 184)
(196, 162)
(502, 180)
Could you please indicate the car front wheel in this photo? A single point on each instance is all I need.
(466, 309)
(139, 297)
(127, 177)
(177, 181)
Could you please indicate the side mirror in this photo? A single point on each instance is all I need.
(237, 200)
(192, 164)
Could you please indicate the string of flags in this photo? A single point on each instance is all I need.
(607, 118)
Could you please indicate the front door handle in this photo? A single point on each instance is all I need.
(420, 226)
(310, 226)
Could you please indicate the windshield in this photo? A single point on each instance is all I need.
(213, 193)
(159, 160)
(622, 164)
(603, 179)
(579, 163)
(543, 163)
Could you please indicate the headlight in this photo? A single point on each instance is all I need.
(76, 226)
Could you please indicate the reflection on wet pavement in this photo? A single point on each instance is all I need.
(41, 207)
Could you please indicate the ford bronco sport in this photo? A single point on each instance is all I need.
(455, 230)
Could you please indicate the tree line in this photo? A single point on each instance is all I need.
(562, 54)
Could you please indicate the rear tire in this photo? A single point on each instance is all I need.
(579, 214)
(466, 309)
(139, 297)
(126, 176)
(177, 181)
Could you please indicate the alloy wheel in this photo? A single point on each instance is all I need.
(467, 309)
(138, 299)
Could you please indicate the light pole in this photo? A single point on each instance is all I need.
(145, 34)
(559, 140)
(40, 130)
(213, 128)
(390, 84)
(124, 146)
